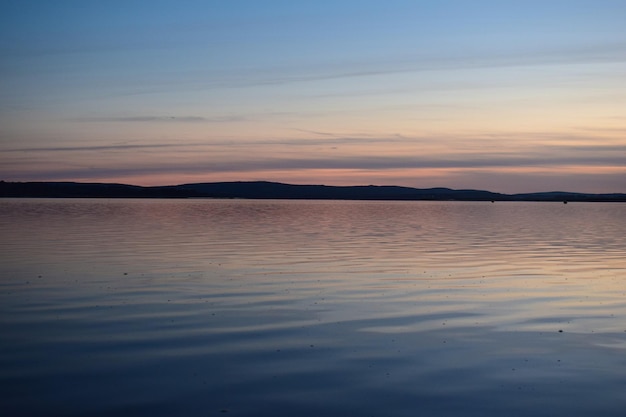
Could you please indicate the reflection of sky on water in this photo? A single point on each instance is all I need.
(310, 308)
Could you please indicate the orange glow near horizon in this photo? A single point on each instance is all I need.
(494, 180)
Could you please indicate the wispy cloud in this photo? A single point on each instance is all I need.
(90, 148)
(583, 54)
(537, 144)
(316, 132)
(165, 119)
(389, 163)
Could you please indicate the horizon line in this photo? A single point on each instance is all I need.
(312, 185)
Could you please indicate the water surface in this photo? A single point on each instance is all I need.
(309, 308)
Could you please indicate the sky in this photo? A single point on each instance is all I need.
(508, 96)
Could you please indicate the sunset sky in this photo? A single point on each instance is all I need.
(509, 96)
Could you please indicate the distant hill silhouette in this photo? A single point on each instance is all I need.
(275, 190)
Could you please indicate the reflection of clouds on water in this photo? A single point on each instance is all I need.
(319, 307)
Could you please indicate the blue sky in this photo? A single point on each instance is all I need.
(503, 95)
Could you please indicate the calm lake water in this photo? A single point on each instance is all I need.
(311, 308)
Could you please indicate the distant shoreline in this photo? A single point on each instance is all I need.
(275, 190)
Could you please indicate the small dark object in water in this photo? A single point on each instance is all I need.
(560, 331)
